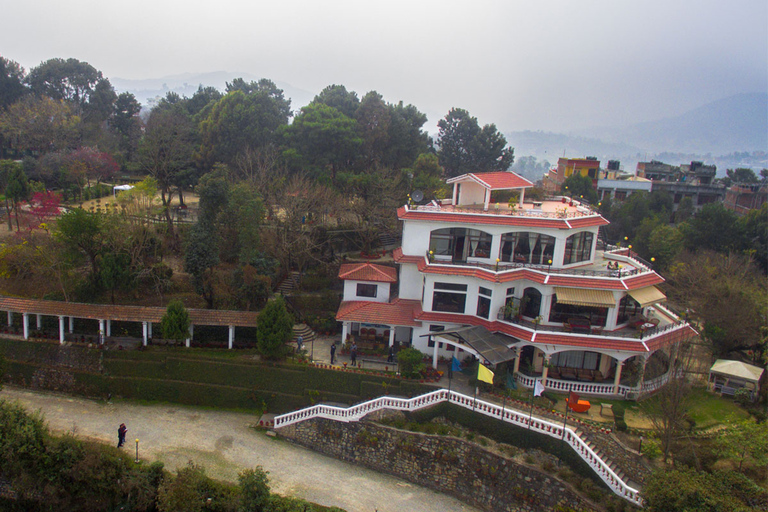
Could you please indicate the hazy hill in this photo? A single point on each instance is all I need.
(150, 90)
(736, 123)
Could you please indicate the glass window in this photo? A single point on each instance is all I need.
(578, 247)
(451, 286)
(483, 307)
(485, 291)
(460, 243)
(560, 312)
(628, 307)
(366, 290)
(527, 247)
(448, 302)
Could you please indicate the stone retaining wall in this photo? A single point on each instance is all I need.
(448, 465)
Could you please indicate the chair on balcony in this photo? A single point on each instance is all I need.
(584, 375)
(579, 324)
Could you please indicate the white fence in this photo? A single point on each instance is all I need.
(518, 418)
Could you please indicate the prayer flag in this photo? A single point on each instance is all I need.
(455, 364)
(511, 384)
(538, 389)
(484, 374)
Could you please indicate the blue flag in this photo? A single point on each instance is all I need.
(455, 364)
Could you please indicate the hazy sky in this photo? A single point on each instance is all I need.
(534, 64)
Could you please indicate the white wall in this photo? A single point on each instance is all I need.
(382, 291)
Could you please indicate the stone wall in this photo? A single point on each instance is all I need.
(448, 465)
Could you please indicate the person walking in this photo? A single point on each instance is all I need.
(333, 352)
(353, 353)
(299, 343)
(121, 431)
(391, 355)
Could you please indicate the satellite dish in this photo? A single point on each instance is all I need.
(417, 195)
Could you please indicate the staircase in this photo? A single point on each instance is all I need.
(290, 283)
(388, 240)
(616, 458)
(304, 331)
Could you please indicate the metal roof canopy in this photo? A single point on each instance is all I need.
(647, 296)
(493, 347)
(585, 297)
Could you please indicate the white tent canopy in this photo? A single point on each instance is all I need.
(727, 377)
(737, 369)
(121, 187)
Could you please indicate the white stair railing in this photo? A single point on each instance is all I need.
(515, 417)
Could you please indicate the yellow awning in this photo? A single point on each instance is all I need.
(647, 296)
(585, 297)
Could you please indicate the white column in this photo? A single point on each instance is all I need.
(617, 378)
(231, 336)
(392, 336)
(344, 331)
(61, 329)
(109, 327)
(545, 369)
(144, 333)
(25, 316)
(101, 331)
(10, 318)
(434, 355)
(39, 321)
(486, 199)
(522, 196)
(517, 365)
(455, 189)
(71, 324)
(191, 333)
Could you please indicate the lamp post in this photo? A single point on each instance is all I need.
(497, 264)
(137, 451)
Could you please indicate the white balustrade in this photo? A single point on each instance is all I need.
(509, 415)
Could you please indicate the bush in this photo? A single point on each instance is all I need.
(411, 362)
(651, 449)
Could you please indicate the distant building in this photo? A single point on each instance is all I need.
(694, 180)
(619, 189)
(566, 167)
(742, 198)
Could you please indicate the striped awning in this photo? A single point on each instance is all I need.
(585, 297)
(647, 296)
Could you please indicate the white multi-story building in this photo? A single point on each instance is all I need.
(521, 283)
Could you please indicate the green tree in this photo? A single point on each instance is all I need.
(126, 123)
(70, 80)
(664, 245)
(713, 228)
(166, 150)
(254, 490)
(427, 176)
(338, 97)
(175, 323)
(465, 147)
(410, 362)
(81, 232)
(192, 491)
(201, 255)
(685, 210)
(115, 272)
(322, 141)
(11, 82)
(688, 490)
(740, 176)
(241, 120)
(746, 440)
(39, 124)
(274, 329)
(755, 235)
(15, 187)
(578, 186)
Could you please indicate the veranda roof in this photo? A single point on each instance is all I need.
(647, 296)
(494, 348)
(585, 297)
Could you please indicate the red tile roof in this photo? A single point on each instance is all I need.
(367, 272)
(124, 313)
(399, 257)
(642, 280)
(585, 222)
(494, 180)
(400, 312)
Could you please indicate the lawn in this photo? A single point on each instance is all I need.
(708, 409)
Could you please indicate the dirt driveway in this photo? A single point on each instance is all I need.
(224, 443)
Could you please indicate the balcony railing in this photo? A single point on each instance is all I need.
(624, 333)
(544, 269)
(496, 209)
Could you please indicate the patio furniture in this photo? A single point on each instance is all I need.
(597, 376)
(608, 407)
(568, 373)
(579, 324)
(580, 406)
(584, 375)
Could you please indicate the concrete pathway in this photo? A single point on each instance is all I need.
(224, 443)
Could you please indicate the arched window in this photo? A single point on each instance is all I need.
(531, 302)
(527, 247)
(460, 243)
(578, 247)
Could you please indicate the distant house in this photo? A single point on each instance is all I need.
(694, 180)
(745, 197)
(566, 167)
(727, 377)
